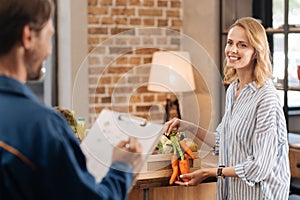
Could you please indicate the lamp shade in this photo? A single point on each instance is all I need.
(171, 71)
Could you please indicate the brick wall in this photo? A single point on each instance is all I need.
(122, 36)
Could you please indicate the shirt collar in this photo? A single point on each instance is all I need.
(251, 85)
(10, 85)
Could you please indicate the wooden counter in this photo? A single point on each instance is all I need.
(154, 185)
(294, 156)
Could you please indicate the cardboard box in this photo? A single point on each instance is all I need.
(157, 162)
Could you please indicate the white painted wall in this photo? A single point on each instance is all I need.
(201, 23)
(72, 50)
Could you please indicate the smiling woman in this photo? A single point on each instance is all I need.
(251, 139)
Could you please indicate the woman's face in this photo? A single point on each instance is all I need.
(238, 51)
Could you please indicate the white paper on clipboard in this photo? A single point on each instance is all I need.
(109, 129)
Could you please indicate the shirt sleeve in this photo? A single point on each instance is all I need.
(117, 182)
(265, 146)
(65, 173)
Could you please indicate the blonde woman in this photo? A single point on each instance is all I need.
(252, 137)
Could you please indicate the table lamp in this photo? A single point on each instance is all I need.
(171, 71)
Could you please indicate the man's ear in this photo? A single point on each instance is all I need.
(27, 37)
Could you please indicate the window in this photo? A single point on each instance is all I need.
(293, 48)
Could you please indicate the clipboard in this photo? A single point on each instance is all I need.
(109, 129)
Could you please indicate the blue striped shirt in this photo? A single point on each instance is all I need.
(252, 137)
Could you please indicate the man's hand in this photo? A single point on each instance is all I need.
(129, 151)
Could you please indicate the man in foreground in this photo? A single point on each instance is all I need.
(40, 158)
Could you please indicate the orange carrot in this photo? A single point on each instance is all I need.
(175, 168)
(186, 149)
(184, 166)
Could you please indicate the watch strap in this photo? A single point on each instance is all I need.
(220, 171)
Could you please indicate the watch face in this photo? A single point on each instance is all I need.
(219, 172)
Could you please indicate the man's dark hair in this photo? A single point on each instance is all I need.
(15, 14)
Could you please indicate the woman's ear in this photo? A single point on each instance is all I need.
(27, 37)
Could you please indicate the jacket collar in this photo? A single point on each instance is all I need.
(10, 85)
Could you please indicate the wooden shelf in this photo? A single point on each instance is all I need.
(273, 30)
(293, 88)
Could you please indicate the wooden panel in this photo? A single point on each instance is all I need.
(295, 162)
(136, 194)
(202, 191)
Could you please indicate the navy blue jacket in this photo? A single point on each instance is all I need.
(40, 158)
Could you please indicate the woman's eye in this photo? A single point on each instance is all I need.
(243, 45)
(229, 42)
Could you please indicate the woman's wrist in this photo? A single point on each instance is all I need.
(210, 172)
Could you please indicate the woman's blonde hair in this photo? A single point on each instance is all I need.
(258, 39)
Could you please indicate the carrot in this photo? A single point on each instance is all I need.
(175, 168)
(186, 149)
(184, 166)
(176, 146)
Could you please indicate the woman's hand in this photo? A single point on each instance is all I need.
(172, 125)
(196, 177)
(176, 125)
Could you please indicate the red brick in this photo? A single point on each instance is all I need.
(121, 90)
(135, 60)
(93, 40)
(161, 41)
(119, 70)
(145, 51)
(106, 99)
(135, 21)
(93, 20)
(150, 12)
(147, 60)
(106, 2)
(142, 89)
(134, 2)
(162, 22)
(121, 20)
(148, 3)
(121, 41)
(92, 2)
(133, 79)
(135, 99)
(162, 3)
(107, 20)
(97, 31)
(173, 13)
(121, 2)
(119, 50)
(122, 60)
(93, 100)
(148, 98)
(143, 108)
(100, 90)
(95, 70)
(123, 11)
(124, 31)
(143, 70)
(135, 41)
(175, 4)
(105, 80)
(93, 60)
(97, 11)
(148, 41)
(149, 22)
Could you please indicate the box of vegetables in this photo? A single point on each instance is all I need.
(176, 153)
